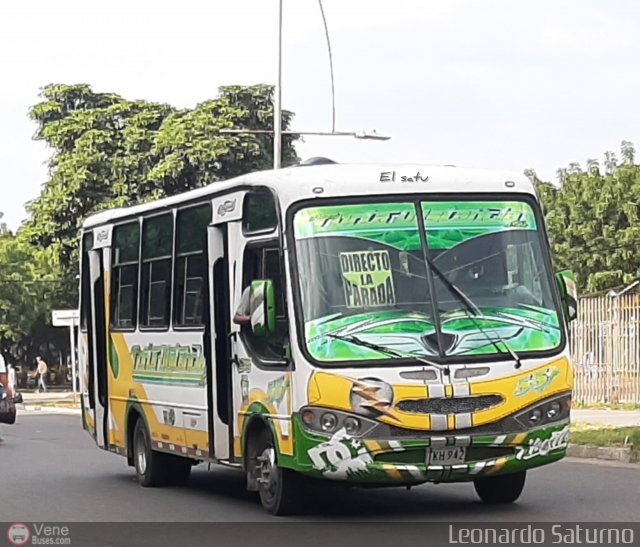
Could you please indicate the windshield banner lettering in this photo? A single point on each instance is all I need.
(367, 279)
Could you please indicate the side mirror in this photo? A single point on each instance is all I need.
(568, 293)
(263, 307)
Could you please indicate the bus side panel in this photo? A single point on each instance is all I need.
(163, 376)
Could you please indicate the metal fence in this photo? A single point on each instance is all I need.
(605, 345)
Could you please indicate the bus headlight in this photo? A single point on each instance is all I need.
(325, 420)
(328, 422)
(351, 425)
(552, 410)
(535, 416)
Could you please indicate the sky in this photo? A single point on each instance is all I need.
(476, 83)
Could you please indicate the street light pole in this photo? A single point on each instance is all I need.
(277, 107)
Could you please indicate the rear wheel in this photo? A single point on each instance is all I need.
(151, 466)
(501, 488)
(279, 488)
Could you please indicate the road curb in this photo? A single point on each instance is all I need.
(36, 409)
(612, 453)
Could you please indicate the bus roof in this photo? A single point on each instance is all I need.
(333, 180)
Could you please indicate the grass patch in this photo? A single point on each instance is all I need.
(597, 435)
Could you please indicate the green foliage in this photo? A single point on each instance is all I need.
(111, 152)
(27, 287)
(593, 220)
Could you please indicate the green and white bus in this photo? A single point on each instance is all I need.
(378, 325)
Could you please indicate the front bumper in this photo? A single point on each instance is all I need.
(404, 461)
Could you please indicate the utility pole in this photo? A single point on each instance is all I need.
(277, 107)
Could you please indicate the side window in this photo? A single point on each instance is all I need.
(85, 283)
(190, 266)
(260, 214)
(263, 262)
(124, 272)
(157, 246)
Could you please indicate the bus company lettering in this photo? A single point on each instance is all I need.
(367, 277)
(390, 176)
(167, 358)
(542, 447)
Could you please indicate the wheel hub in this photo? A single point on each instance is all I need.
(267, 471)
(141, 457)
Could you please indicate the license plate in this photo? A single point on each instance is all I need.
(446, 456)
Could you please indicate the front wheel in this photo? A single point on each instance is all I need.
(279, 488)
(501, 488)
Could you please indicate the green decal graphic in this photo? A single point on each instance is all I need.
(340, 456)
(450, 223)
(277, 389)
(368, 280)
(537, 382)
(244, 365)
(169, 364)
(113, 358)
(364, 279)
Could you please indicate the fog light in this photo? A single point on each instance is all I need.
(328, 422)
(553, 410)
(308, 417)
(351, 425)
(535, 416)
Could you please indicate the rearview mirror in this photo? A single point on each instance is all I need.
(568, 293)
(263, 307)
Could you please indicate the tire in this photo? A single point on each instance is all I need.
(280, 489)
(500, 489)
(151, 467)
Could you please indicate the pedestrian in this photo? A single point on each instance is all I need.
(41, 371)
(4, 380)
(11, 377)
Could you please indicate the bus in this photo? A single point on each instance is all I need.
(376, 325)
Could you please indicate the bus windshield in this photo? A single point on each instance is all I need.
(425, 279)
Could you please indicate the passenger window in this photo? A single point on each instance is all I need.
(260, 214)
(124, 284)
(157, 244)
(191, 266)
(85, 283)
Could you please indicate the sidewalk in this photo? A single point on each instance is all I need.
(618, 418)
(48, 397)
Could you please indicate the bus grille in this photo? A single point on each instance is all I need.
(449, 405)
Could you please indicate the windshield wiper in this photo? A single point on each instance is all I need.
(474, 311)
(388, 351)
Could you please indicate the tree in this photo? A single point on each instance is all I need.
(27, 288)
(111, 152)
(594, 221)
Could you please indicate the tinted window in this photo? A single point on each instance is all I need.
(157, 242)
(191, 265)
(124, 284)
(260, 214)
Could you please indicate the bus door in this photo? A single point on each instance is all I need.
(85, 338)
(259, 370)
(218, 376)
(98, 360)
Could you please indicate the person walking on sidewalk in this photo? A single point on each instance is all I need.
(41, 371)
(4, 380)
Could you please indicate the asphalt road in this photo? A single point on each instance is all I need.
(50, 470)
